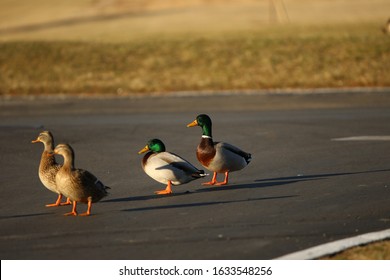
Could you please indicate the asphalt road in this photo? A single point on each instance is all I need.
(301, 189)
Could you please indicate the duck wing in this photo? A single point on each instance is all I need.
(235, 150)
(178, 162)
(89, 179)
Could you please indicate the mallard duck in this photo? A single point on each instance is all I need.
(77, 184)
(48, 167)
(167, 168)
(218, 157)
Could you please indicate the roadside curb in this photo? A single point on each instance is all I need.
(336, 246)
(281, 92)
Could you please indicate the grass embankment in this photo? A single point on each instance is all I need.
(279, 57)
(375, 251)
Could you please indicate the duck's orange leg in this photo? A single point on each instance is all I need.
(89, 208)
(57, 203)
(225, 182)
(74, 212)
(68, 202)
(212, 182)
(168, 189)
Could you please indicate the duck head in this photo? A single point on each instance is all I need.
(204, 122)
(63, 150)
(44, 137)
(154, 145)
(47, 139)
(67, 152)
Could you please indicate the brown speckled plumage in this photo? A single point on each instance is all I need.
(48, 167)
(77, 184)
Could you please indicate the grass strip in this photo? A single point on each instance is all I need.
(234, 61)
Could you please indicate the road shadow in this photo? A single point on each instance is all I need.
(253, 185)
(199, 204)
(23, 216)
(280, 181)
(204, 189)
(145, 197)
(260, 183)
(256, 184)
(320, 176)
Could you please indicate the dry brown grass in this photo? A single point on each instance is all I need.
(374, 251)
(109, 46)
(235, 61)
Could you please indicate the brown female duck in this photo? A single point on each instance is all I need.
(77, 184)
(48, 167)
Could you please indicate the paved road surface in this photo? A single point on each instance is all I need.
(301, 189)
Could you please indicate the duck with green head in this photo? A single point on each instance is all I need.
(218, 157)
(166, 167)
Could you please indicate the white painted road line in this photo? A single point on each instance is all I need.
(364, 138)
(337, 246)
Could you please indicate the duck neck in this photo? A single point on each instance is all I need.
(68, 161)
(49, 146)
(206, 131)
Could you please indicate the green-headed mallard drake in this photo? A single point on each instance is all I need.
(77, 184)
(167, 168)
(218, 157)
(48, 167)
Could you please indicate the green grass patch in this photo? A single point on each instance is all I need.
(279, 57)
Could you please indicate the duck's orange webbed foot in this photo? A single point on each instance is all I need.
(163, 192)
(88, 210)
(74, 212)
(225, 182)
(212, 182)
(68, 202)
(52, 205)
(168, 189)
(57, 203)
(85, 214)
(71, 214)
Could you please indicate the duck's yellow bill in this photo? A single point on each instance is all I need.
(35, 141)
(194, 123)
(145, 149)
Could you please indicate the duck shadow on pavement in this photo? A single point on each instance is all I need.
(260, 183)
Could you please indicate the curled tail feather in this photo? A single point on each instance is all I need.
(248, 158)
